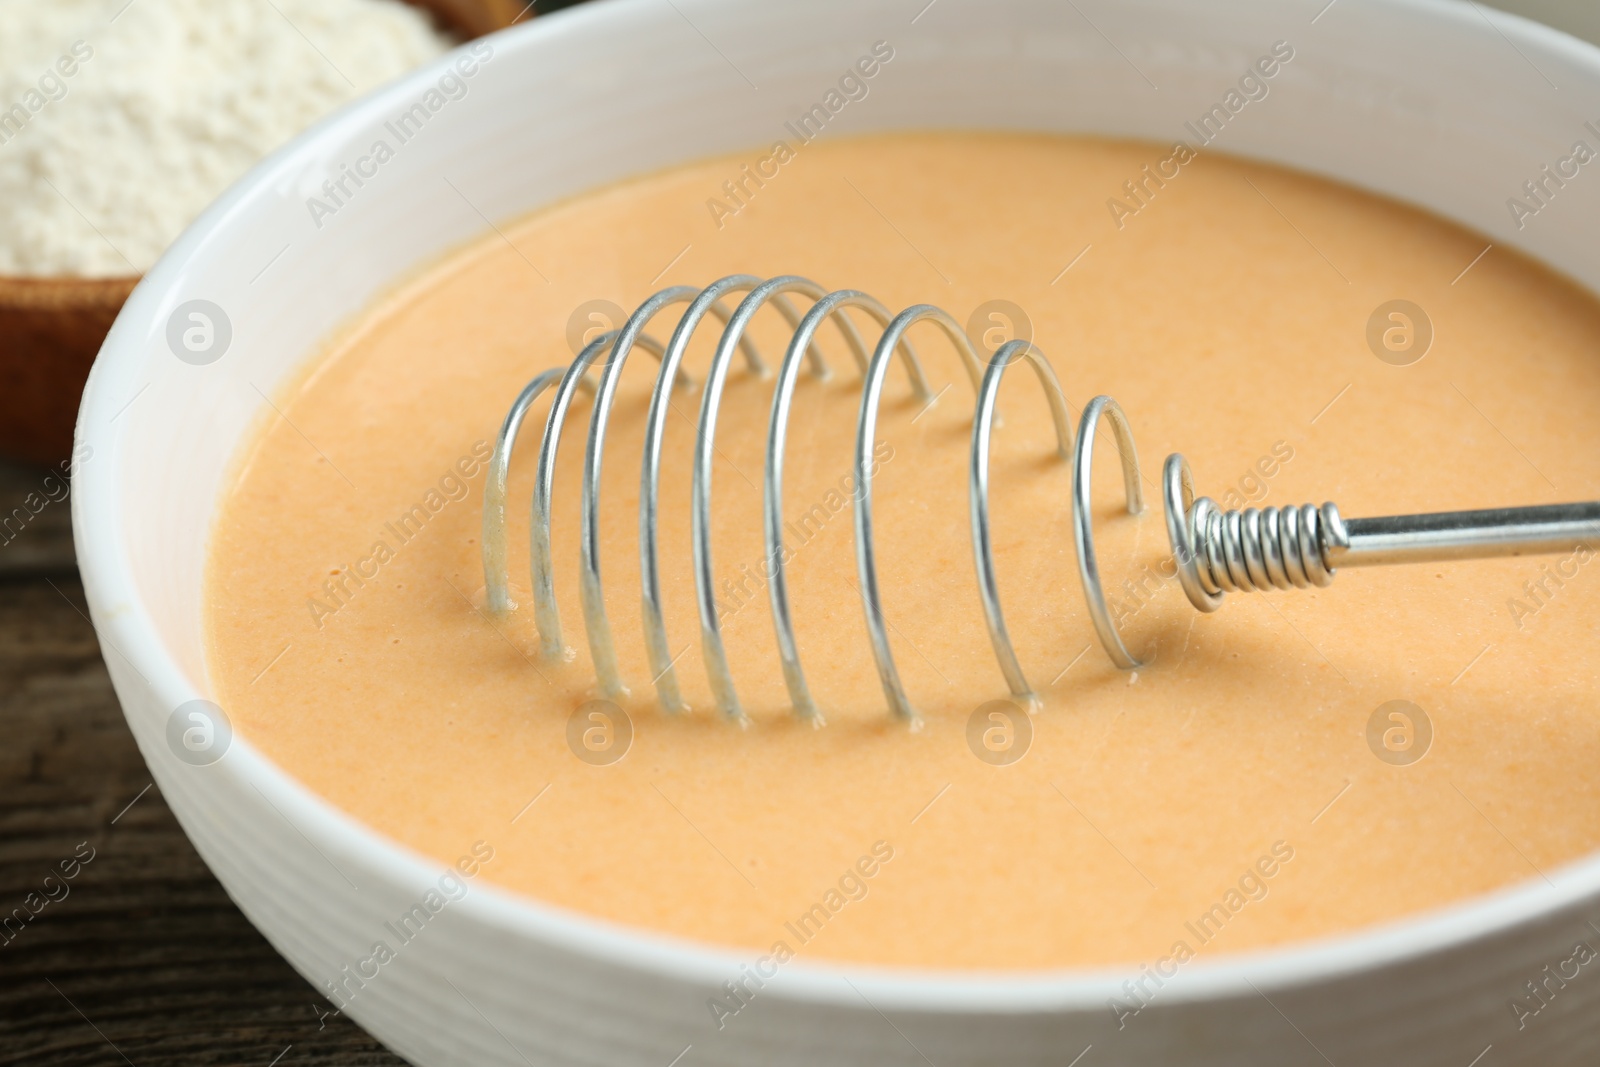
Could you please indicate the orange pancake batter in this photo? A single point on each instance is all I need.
(1225, 797)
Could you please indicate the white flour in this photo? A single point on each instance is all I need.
(120, 122)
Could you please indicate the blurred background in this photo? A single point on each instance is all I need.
(1581, 18)
(145, 960)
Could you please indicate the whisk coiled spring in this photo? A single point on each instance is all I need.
(1241, 551)
(610, 351)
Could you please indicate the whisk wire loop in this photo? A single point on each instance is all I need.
(597, 625)
(495, 567)
(978, 482)
(833, 304)
(866, 438)
(546, 616)
(596, 622)
(1102, 407)
(712, 649)
(655, 627)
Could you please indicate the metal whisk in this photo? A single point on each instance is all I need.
(1216, 552)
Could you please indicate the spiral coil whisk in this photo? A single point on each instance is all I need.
(610, 352)
(1216, 552)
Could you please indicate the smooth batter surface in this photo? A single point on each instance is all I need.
(1228, 315)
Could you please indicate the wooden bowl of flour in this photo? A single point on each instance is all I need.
(50, 330)
(474, 18)
(51, 327)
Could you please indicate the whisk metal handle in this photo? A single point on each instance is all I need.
(1454, 535)
(1254, 549)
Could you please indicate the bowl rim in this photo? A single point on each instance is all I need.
(131, 630)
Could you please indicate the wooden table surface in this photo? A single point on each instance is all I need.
(144, 960)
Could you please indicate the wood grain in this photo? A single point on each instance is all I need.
(145, 960)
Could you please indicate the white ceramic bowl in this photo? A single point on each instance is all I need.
(1435, 102)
